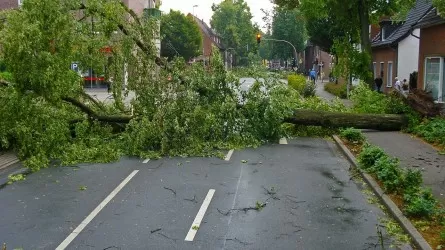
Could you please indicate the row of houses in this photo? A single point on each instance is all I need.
(416, 44)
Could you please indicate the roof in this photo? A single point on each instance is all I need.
(430, 19)
(402, 30)
(207, 30)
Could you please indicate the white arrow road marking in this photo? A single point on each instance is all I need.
(146, 161)
(229, 154)
(197, 222)
(96, 211)
(283, 141)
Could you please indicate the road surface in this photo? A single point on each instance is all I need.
(297, 195)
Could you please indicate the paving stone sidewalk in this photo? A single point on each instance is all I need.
(411, 151)
(328, 96)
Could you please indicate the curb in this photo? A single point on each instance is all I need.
(418, 239)
(4, 180)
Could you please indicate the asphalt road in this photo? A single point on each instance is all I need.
(307, 197)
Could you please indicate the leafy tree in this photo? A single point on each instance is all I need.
(180, 36)
(354, 18)
(288, 25)
(179, 109)
(232, 20)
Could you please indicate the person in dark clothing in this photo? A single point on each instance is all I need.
(378, 83)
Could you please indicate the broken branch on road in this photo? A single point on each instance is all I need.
(173, 191)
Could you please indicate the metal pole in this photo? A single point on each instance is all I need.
(277, 40)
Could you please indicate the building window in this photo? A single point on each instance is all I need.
(389, 75)
(383, 34)
(434, 77)
(374, 69)
(382, 65)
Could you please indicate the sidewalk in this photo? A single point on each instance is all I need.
(328, 96)
(411, 151)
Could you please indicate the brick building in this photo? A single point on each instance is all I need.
(431, 63)
(209, 38)
(316, 58)
(9, 4)
(395, 47)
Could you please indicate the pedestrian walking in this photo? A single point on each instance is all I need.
(313, 75)
(398, 84)
(378, 83)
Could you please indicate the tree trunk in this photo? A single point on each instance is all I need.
(363, 12)
(338, 120)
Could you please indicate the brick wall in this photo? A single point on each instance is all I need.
(8, 4)
(432, 43)
(137, 5)
(385, 55)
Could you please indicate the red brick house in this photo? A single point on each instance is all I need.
(316, 58)
(396, 45)
(10, 4)
(209, 38)
(431, 64)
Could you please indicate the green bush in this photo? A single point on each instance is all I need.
(432, 130)
(442, 236)
(412, 181)
(339, 89)
(353, 135)
(7, 76)
(421, 203)
(388, 171)
(369, 155)
(297, 82)
(309, 89)
(368, 101)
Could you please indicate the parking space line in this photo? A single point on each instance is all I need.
(146, 161)
(197, 222)
(283, 140)
(229, 154)
(96, 211)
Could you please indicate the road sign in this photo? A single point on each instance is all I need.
(75, 66)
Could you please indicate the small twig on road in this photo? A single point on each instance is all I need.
(156, 230)
(223, 213)
(112, 247)
(165, 236)
(289, 198)
(241, 242)
(173, 191)
(192, 200)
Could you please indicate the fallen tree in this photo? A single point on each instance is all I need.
(179, 109)
(381, 122)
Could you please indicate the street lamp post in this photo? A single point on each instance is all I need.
(225, 55)
(194, 9)
(277, 40)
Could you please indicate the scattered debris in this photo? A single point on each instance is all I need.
(173, 191)
(156, 230)
(112, 247)
(243, 161)
(195, 227)
(83, 188)
(293, 199)
(192, 200)
(241, 242)
(167, 237)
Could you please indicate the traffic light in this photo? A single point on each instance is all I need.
(258, 38)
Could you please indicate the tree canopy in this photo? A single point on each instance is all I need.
(287, 25)
(232, 20)
(47, 116)
(180, 36)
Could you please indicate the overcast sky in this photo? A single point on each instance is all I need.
(204, 10)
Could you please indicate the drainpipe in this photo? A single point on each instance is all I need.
(411, 33)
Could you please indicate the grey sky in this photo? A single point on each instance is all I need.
(204, 10)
